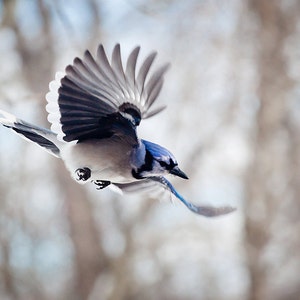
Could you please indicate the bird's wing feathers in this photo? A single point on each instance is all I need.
(98, 99)
(154, 182)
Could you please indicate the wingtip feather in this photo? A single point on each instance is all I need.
(206, 211)
(211, 211)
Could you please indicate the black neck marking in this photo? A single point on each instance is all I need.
(147, 166)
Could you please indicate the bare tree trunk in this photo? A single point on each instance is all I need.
(7, 276)
(89, 257)
(83, 230)
(270, 164)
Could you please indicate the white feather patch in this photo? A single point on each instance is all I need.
(52, 106)
(7, 119)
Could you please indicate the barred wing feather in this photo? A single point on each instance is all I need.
(98, 99)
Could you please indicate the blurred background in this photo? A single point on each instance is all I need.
(233, 122)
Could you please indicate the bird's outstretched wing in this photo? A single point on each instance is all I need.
(97, 99)
(153, 182)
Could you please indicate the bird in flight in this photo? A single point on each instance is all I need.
(94, 109)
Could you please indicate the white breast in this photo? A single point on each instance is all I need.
(108, 159)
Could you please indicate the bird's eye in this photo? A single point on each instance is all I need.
(163, 164)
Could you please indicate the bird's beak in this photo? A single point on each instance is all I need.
(177, 172)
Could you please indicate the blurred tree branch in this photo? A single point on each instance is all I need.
(267, 179)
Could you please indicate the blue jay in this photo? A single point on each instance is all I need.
(94, 110)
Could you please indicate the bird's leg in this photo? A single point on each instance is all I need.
(83, 174)
(101, 184)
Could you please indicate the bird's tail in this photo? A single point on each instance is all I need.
(41, 136)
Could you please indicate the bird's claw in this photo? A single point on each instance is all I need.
(101, 184)
(83, 174)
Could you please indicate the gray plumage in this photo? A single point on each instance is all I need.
(94, 109)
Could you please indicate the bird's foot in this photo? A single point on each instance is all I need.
(101, 184)
(83, 174)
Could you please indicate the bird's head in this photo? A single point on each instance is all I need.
(157, 161)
